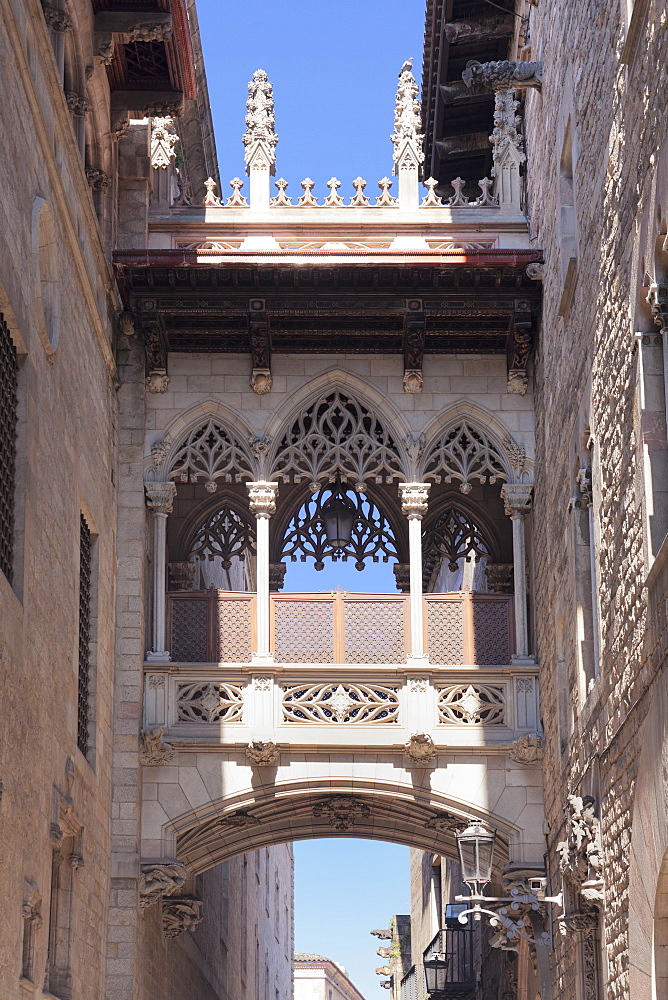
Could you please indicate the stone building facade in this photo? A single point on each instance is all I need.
(319, 978)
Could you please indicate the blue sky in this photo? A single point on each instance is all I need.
(344, 889)
(334, 67)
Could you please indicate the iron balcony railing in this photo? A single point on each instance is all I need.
(449, 965)
(463, 628)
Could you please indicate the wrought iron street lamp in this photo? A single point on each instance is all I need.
(475, 845)
(338, 517)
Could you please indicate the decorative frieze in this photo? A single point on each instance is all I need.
(342, 811)
(181, 914)
(160, 879)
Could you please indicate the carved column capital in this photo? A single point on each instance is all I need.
(157, 879)
(79, 106)
(160, 497)
(57, 19)
(516, 499)
(262, 498)
(414, 497)
(179, 915)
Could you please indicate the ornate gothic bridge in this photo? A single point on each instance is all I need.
(336, 382)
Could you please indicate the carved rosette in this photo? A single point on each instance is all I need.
(420, 748)
(516, 499)
(160, 497)
(160, 879)
(341, 811)
(262, 752)
(179, 915)
(527, 749)
(154, 750)
(414, 497)
(262, 498)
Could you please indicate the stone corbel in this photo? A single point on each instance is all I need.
(98, 179)
(580, 854)
(276, 576)
(527, 750)
(79, 106)
(154, 751)
(420, 748)
(260, 347)
(519, 349)
(414, 336)
(181, 914)
(158, 879)
(155, 347)
(262, 752)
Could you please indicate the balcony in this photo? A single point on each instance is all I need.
(460, 629)
(449, 965)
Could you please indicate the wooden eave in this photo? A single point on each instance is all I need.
(471, 299)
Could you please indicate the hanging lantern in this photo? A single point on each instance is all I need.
(476, 854)
(338, 517)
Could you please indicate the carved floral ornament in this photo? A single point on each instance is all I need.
(336, 435)
(580, 854)
(342, 811)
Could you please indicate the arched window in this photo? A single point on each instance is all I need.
(221, 550)
(455, 553)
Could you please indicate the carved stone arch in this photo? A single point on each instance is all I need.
(206, 511)
(313, 808)
(468, 445)
(488, 528)
(337, 434)
(338, 379)
(167, 459)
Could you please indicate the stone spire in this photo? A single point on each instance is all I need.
(407, 138)
(259, 138)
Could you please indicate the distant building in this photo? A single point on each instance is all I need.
(319, 978)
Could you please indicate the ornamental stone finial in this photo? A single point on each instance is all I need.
(259, 138)
(163, 142)
(407, 137)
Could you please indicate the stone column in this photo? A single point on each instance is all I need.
(517, 503)
(160, 499)
(262, 503)
(414, 506)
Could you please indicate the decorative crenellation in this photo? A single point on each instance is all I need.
(414, 499)
(181, 914)
(154, 750)
(163, 142)
(341, 811)
(160, 879)
(260, 138)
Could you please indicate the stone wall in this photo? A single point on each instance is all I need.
(66, 465)
(243, 948)
(591, 409)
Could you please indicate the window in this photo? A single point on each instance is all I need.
(8, 422)
(83, 698)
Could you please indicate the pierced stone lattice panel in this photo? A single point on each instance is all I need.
(188, 638)
(374, 632)
(472, 705)
(491, 638)
(339, 703)
(209, 702)
(303, 632)
(445, 632)
(233, 631)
